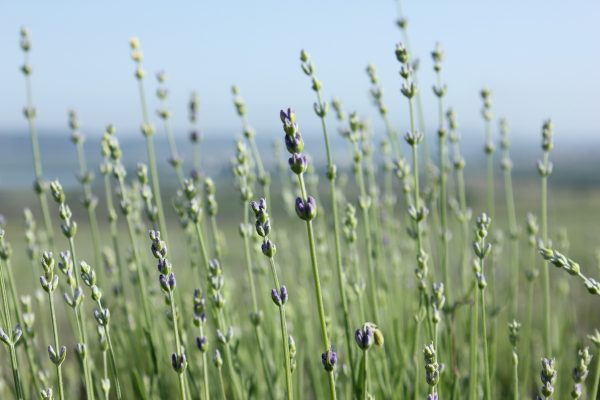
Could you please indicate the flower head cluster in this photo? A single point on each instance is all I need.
(306, 209)
(580, 372)
(481, 247)
(68, 226)
(200, 319)
(329, 359)
(438, 299)
(159, 251)
(548, 377)
(432, 368)
(367, 335)
(513, 332)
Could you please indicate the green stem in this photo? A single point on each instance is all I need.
(37, 160)
(138, 266)
(545, 270)
(284, 336)
(331, 176)
(473, 352)
(596, 383)
(317, 283)
(218, 314)
(221, 384)
(515, 374)
(181, 376)
(486, 360)
(365, 385)
(204, 368)
(61, 392)
(417, 370)
(512, 223)
(81, 326)
(87, 190)
(13, 353)
(25, 338)
(152, 162)
(367, 232)
(255, 309)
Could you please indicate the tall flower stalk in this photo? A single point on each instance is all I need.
(167, 284)
(165, 114)
(148, 132)
(106, 169)
(279, 293)
(513, 229)
(12, 340)
(214, 276)
(544, 168)
(365, 337)
(439, 89)
(242, 171)
(482, 250)
(58, 353)
(40, 186)
(202, 340)
(102, 316)
(321, 109)
(263, 176)
(86, 178)
(513, 338)
(462, 211)
(306, 209)
(69, 229)
(24, 317)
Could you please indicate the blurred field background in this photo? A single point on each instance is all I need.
(540, 64)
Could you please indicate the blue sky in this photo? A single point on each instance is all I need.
(540, 57)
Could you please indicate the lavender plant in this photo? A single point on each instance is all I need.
(306, 209)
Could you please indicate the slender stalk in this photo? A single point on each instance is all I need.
(317, 283)
(81, 327)
(11, 346)
(515, 375)
(279, 293)
(181, 376)
(148, 132)
(61, 392)
(85, 177)
(26, 338)
(284, 336)
(486, 361)
(544, 170)
(512, 218)
(365, 366)
(218, 314)
(35, 148)
(165, 115)
(596, 383)
(473, 352)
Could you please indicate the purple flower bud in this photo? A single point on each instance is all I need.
(172, 281)
(329, 359)
(268, 248)
(164, 266)
(163, 282)
(202, 343)
(276, 297)
(298, 163)
(287, 115)
(294, 143)
(195, 136)
(364, 337)
(284, 294)
(306, 210)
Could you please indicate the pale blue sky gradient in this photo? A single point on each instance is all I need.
(540, 57)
